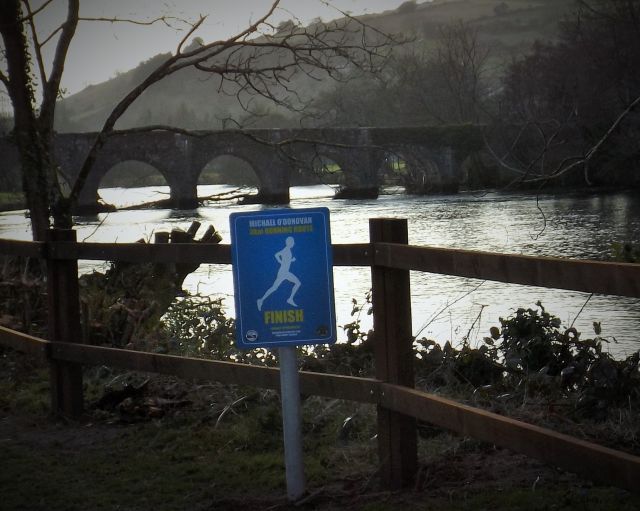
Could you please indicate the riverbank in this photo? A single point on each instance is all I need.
(11, 201)
(174, 445)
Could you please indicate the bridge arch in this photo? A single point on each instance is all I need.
(356, 176)
(392, 170)
(90, 195)
(270, 167)
(130, 174)
(328, 170)
(228, 169)
(413, 168)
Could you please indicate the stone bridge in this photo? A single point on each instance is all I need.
(433, 154)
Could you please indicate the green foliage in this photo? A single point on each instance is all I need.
(168, 466)
(160, 463)
(626, 252)
(532, 356)
(353, 329)
(353, 357)
(540, 357)
(531, 341)
(24, 384)
(439, 366)
(22, 294)
(228, 169)
(196, 326)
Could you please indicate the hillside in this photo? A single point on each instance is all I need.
(191, 99)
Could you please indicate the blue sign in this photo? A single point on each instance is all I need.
(283, 277)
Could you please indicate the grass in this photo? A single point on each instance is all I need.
(154, 466)
(189, 458)
(224, 451)
(169, 464)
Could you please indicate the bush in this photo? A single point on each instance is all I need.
(626, 252)
(529, 355)
(197, 326)
(535, 349)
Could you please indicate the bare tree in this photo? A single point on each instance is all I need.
(461, 61)
(260, 60)
(569, 108)
(442, 83)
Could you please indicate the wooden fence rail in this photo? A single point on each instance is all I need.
(399, 405)
(622, 279)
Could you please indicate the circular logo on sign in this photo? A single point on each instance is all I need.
(251, 335)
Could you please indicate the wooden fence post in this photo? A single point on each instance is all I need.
(64, 325)
(393, 347)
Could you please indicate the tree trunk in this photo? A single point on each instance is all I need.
(34, 149)
(34, 179)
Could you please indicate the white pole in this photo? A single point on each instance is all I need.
(291, 422)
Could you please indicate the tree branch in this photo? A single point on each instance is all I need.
(195, 27)
(38, 10)
(37, 47)
(51, 88)
(238, 63)
(165, 69)
(4, 79)
(51, 36)
(586, 159)
(160, 19)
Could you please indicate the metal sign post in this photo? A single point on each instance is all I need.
(283, 283)
(291, 422)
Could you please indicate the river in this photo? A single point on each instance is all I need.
(444, 308)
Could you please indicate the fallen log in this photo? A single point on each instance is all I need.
(127, 301)
(236, 193)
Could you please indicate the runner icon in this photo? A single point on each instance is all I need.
(284, 258)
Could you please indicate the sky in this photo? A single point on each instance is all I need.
(100, 49)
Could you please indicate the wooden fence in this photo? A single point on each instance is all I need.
(399, 405)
